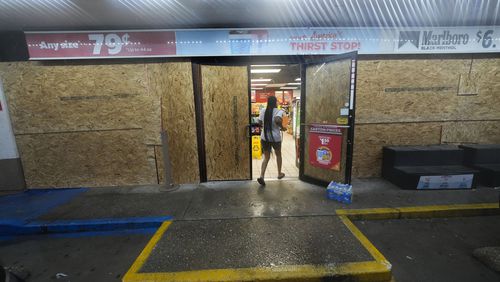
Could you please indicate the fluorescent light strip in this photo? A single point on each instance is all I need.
(261, 79)
(294, 83)
(297, 79)
(259, 84)
(268, 65)
(290, 88)
(265, 70)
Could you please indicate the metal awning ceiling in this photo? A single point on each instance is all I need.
(179, 14)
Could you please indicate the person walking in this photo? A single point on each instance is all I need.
(270, 119)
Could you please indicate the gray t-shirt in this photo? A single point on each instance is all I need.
(275, 128)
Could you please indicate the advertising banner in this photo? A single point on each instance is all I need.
(101, 45)
(325, 146)
(255, 42)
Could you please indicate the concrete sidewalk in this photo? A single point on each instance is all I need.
(247, 199)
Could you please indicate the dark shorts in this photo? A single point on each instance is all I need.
(266, 146)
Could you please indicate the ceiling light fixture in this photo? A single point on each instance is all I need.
(268, 65)
(261, 79)
(259, 84)
(276, 85)
(265, 70)
(257, 88)
(294, 83)
(289, 88)
(297, 79)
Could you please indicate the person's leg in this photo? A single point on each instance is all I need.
(267, 156)
(266, 149)
(279, 160)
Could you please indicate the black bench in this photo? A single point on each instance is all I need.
(427, 167)
(485, 158)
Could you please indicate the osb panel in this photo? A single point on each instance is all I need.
(327, 90)
(54, 98)
(480, 132)
(175, 84)
(370, 138)
(104, 158)
(408, 90)
(486, 104)
(225, 108)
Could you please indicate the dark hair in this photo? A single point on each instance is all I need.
(268, 118)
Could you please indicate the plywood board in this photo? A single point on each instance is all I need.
(49, 101)
(370, 138)
(60, 98)
(408, 90)
(226, 116)
(327, 91)
(174, 82)
(486, 104)
(477, 132)
(106, 158)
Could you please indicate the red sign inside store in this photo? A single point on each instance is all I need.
(95, 44)
(261, 96)
(282, 97)
(325, 146)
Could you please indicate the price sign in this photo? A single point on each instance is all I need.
(486, 38)
(94, 44)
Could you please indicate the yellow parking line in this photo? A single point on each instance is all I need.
(378, 270)
(362, 271)
(141, 259)
(376, 254)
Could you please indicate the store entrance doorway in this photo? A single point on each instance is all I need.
(318, 98)
(283, 82)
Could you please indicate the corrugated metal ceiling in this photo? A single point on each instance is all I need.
(136, 14)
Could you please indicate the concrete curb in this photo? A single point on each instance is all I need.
(84, 225)
(459, 210)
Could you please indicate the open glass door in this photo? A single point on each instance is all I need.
(327, 119)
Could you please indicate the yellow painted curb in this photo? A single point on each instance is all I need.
(458, 210)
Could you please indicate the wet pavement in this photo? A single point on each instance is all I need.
(89, 258)
(254, 242)
(438, 249)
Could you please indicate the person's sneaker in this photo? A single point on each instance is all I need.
(281, 175)
(261, 181)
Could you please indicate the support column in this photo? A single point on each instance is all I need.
(11, 170)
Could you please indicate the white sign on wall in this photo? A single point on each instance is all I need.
(8, 148)
(462, 181)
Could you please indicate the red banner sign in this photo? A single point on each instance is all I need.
(325, 146)
(104, 44)
(261, 96)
